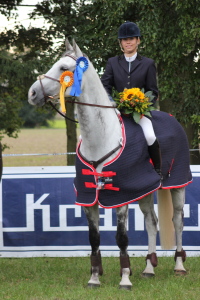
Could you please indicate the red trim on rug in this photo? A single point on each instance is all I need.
(130, 201)
(176, 186)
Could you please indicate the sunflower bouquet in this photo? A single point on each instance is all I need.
(135, 102)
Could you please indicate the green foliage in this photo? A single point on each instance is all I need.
(9, 119)
(23, 55)
(172, 31)
(170, 35)
(6, 6)
(15, 79)
(33, 117)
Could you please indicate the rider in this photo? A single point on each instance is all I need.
(131, 70)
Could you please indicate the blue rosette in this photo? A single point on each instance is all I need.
(81, 66)
(82, 62)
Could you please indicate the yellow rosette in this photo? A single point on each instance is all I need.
(66, 80)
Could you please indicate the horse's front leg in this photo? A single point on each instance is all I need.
(178, 199)
(122, 242)
(92, 214)
(147, 207)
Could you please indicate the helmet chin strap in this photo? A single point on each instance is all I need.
(120, 45)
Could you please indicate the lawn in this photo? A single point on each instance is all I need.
(66, 279)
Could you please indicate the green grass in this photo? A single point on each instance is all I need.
(66, 278)
(57, 124)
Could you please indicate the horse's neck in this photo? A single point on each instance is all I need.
(100, 127)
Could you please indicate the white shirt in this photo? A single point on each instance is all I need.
(130, 59)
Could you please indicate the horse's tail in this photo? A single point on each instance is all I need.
(165, 215)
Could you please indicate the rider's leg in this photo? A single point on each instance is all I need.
(152, 142)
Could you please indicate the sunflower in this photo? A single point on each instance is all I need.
(135, 103)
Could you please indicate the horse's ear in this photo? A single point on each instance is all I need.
(68, 45)
(76, 49)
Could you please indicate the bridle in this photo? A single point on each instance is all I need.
(47, 97)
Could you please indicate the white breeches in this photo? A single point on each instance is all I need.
(148, 130)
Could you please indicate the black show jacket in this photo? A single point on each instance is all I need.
(142, 75)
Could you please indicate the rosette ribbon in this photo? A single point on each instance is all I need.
(66, 80)
(81, 67)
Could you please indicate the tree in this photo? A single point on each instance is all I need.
(22, 53)
(171, 36)
(170, 29)
(61, 13)
(172, 32)
(7, 6)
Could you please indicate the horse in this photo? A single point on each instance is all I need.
(102, 143)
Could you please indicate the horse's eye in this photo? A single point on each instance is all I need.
(64, 69)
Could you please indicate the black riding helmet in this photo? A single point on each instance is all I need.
(127, 30)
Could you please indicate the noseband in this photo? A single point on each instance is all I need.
(47, 97)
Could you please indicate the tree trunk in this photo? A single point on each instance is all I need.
(190, 130)
(71, 134)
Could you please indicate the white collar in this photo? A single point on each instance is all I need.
(131, 58)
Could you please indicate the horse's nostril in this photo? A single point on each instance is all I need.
(33, 93)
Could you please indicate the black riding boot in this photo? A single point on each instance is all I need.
(155, 155)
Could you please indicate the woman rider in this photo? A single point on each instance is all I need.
(131, 70)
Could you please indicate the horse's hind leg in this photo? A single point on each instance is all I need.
(178, 199)
(147, 207)
(122, 242)
(92, 214)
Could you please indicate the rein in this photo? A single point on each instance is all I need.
(46, 97)
(89, 104)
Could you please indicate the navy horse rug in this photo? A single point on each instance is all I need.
(130, 175)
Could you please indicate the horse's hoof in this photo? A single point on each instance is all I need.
(93, 285)
(148, 275)
(125, 287)
(180, 272)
